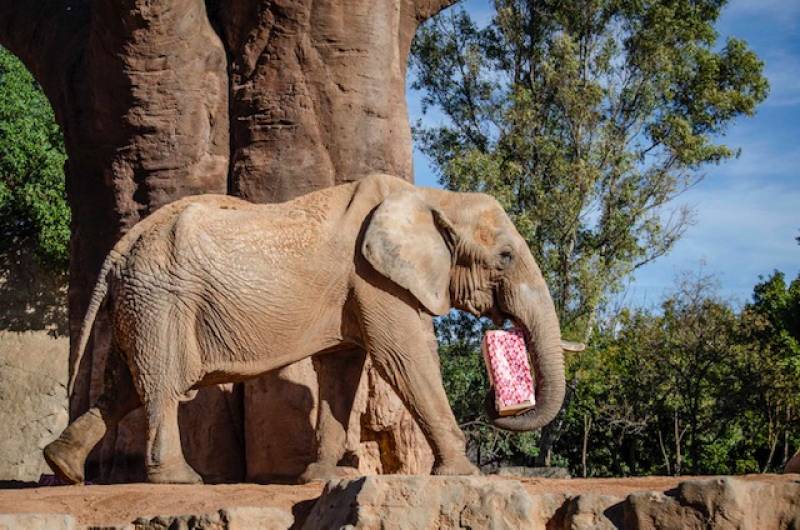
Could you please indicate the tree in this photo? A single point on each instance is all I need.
(33, 204)
(695, 387)
(586, 120)
(159, 99)
(771, 329)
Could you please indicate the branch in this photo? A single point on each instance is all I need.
(425, 9)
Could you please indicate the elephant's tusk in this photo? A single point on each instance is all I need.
(572, 346)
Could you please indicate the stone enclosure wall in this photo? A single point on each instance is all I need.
(34, 348)
(419, 503)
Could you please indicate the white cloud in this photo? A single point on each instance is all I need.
(779, 11)
(743, 230)
(761, 160)
(783, 72)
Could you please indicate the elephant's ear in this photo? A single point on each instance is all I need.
(411, 243)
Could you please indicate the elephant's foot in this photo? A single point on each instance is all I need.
(180, 473)
(67, 455)
(65, 460)
(456, 466)
(325, 472)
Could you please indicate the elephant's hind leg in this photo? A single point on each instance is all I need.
(164, 458)
(338, 375)
(67, 455)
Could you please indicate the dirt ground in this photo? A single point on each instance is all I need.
(109, 504)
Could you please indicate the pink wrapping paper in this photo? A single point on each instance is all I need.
(509, 370)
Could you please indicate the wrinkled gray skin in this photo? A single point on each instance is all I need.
(212, 289)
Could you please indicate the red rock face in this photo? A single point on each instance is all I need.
(164, 98)
(317, 93)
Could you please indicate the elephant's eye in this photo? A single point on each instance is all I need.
(505, 257)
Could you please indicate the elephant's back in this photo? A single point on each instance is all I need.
(230, 274)
(267, 233)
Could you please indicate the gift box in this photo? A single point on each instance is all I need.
(509, 370)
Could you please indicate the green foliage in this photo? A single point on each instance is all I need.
(32, 196)
(696, 387)
(771, 329)
(666, 370)
(585, 119)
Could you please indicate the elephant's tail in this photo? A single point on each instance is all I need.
(118, 254)
(98, 295)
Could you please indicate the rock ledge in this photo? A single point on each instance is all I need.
(417, 502)
(421, 502)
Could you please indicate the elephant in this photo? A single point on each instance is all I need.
(212, 289)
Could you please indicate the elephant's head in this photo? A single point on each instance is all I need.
(461, 250)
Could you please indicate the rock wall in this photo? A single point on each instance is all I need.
(33, 400)
(33, 363)
(765, 502)
(383, 438)
(417, 503)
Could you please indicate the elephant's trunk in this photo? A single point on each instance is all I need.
(532, 308)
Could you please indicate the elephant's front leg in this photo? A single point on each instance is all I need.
(403, 345)
(338, 375)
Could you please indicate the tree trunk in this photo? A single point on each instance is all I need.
(664, 452)
(786, 436)
(678, 438)
(159, 99)
(587, 426)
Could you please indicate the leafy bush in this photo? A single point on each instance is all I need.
(33, 205)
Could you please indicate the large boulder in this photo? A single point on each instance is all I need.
(389, 502)
(723, 503)
(36, 521)
(588, 511)
(417, 502)
(33, 400)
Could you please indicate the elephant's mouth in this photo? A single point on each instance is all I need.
(531, 310)
(500, 318)
(504, 320)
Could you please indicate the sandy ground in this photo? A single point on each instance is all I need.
(109, 504)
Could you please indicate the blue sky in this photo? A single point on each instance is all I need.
(747, 209)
